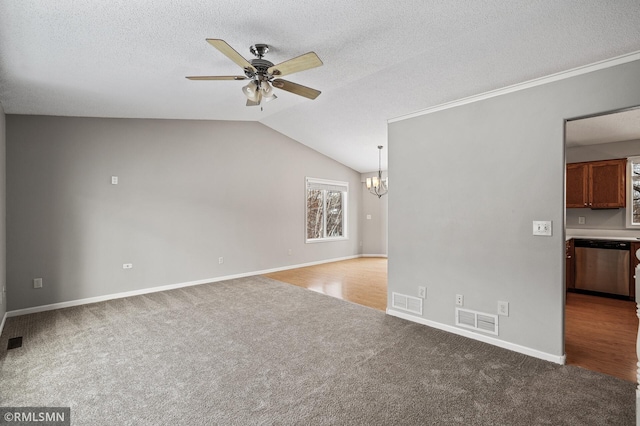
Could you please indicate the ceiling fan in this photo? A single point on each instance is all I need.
(263, 73)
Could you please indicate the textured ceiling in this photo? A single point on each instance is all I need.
(382, 59)
(615, 127)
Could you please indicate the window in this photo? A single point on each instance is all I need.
(633, 192)
(326, 210)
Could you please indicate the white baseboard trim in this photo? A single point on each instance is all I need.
(86, 301)
(481, 337)
(4, 319)
(300, 265)
(374, 255)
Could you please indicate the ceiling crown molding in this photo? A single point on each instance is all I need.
(585, 69)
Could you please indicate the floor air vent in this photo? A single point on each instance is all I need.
(14, 343)
(407, 303)
(487, 323)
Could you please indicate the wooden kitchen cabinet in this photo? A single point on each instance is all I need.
(596, 184)
(577, 185)
(570, 262)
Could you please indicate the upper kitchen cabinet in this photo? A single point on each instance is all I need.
(577, 185)
(596, 184)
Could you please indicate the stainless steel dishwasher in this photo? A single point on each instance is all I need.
(602, 266)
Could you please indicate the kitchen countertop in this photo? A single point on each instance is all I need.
(603, 234)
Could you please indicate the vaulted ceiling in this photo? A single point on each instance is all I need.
(382, 59)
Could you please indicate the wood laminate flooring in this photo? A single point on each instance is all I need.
(362, 280)
(600, 333)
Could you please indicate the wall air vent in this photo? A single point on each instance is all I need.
(478, 321)
(407, 303)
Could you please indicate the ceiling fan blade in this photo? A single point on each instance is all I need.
(218, 77)
(230, 53)
(295, 88)
(300, 63)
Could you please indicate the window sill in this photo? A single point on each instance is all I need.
(326, 240)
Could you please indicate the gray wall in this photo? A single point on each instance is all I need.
(189, 192)
(3, 212)
(468, 182)
(600, 219)
(603, 151)
(374, 230)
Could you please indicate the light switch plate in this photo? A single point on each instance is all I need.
(542, 227)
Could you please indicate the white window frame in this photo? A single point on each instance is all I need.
(330, 185)
(629, 207)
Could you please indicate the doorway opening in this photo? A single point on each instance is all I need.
(601, 324)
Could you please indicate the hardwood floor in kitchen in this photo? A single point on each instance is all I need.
(600, 333)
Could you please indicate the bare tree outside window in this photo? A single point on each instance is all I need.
(315, 214)
(334, 214)
(633, 193)
(326, 210)
(635, 190)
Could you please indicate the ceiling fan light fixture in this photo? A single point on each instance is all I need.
(251, 91)
(267, 91)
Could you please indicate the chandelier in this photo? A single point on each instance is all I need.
(376, 185)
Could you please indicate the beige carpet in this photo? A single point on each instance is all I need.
(257, 351)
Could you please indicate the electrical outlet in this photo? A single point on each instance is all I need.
(503, 309)
(114, 180)
(127, 265)
(37, 283)
(289, 252)
(422, 292)
(220, 260)
(581, 220)
(459, 300)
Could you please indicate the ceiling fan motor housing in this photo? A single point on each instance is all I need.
(261, 66)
